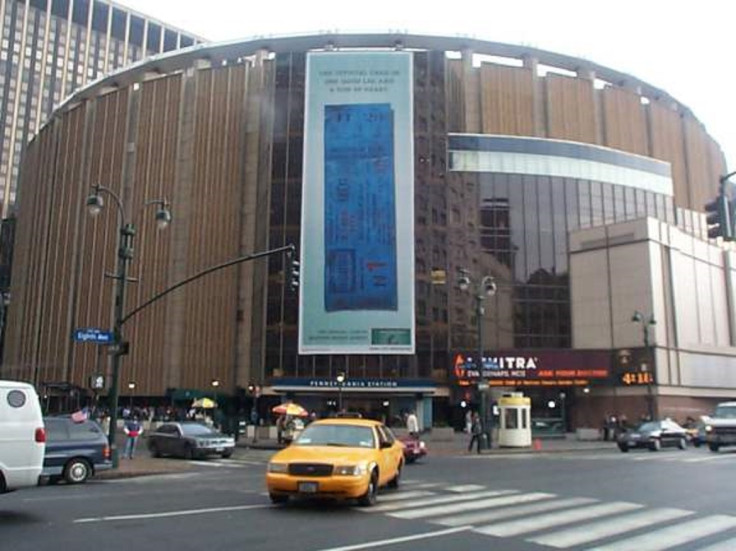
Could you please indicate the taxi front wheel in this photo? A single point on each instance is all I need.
(369, 497)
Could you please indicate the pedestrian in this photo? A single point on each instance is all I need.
(468, 421)
(280, 429)
(476, 431)
(133, 429)
(412, 424)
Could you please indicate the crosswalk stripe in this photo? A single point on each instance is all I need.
(216, 464)
(436, 501)
(465, 488)
(522, 526)
(469, 506)
(727, 545)
(424, 485)
(406, 495)
(666, 538)
(594, 531)
(510, 512)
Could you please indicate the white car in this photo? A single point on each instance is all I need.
(22, 436)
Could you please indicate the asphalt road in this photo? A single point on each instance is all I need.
(577, 500)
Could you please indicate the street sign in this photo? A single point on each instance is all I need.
(93, 335)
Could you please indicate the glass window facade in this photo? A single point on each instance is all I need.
(511, 226)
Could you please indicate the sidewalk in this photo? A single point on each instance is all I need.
(456, 444)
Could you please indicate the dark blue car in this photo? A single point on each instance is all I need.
(74, 450)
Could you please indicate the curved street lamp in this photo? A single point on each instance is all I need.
(95, 204)
(486, 287)
(646, 323)
(340, 381)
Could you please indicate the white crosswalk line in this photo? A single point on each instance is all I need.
(523, 526)
(594, 531)
(465, 488)
(217, 464)
(659, 540)
(424, 485)
(469, 506)
(411, 494)
(510, 512)
(436, 501)
(726, 545)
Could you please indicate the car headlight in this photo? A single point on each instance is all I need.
(708, 428)
(278, 468)
(350, 470)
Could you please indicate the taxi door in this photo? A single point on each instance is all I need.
(390, 456)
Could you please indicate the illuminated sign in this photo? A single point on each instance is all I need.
(637, 378)
(543, 368)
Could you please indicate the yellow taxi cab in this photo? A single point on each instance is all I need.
(337, 458)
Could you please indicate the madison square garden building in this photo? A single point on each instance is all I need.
(398, 165)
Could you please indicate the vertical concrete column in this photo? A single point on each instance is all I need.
(180, 230)
(255, 183)
(540, 111)
(587, 73)
(471, 95)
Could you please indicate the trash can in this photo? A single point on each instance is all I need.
(514, 427)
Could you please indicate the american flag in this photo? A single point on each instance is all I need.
(79, 416)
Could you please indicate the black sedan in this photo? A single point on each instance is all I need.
(654, 435)
(189, 440)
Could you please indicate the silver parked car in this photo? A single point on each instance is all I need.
(189, 440)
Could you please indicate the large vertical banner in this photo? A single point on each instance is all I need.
(357, 245)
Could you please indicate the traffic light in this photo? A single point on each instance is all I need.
(293, 271)
(718, 217)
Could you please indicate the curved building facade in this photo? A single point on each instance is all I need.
(473, 159)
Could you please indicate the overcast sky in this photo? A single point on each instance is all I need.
(686, 48)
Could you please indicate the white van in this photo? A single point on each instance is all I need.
(22, 436)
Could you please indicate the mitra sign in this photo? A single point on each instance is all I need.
(541, 368)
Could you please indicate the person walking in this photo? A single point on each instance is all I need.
(133, 429)
(412, 424)
(476, 432)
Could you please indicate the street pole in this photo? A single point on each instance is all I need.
(482, 384)
(649, 353)
(650, 359)
(125, 253)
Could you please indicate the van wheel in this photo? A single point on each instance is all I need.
(155, 452)
(713, 447)
(77, 471)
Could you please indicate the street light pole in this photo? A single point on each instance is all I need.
(125, 255)
(340, 380)
(486, 288)
(640, 318)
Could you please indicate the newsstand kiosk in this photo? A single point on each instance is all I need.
(514, 427)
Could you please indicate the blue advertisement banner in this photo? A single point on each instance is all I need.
(357, 245)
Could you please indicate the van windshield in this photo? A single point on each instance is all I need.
(728, 412)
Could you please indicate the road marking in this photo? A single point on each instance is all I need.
(145, 479)
(171, 513)
(510, 512)
(216, 464)
(665, 538)
(436, 501)
(728, 545)
(402, 539)
(406, 495)
(593, 531)
(469, 506)
(522, 526)
(465, 488)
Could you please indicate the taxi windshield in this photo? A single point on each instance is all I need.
(349, 436)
